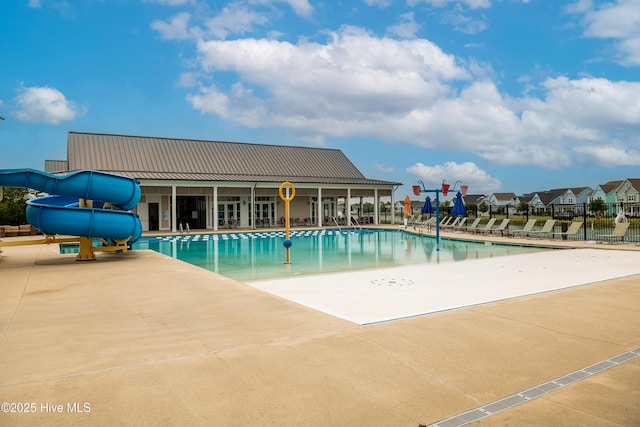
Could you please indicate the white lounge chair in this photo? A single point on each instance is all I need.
(461, 224)
(571, 231)
(486, 227)
(547, 228)
(526, 229)
(501, 227)
(618, 232)
(473, 226)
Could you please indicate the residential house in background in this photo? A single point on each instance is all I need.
(502, 203)
(628, 197)
(607, 193)
(532, 201)
(559, 202)
(475, 199)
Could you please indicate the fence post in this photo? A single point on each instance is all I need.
(584, 221)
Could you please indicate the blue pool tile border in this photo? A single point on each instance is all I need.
(250, 235)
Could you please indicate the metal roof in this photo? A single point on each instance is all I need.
(53, 166)
(198, 160)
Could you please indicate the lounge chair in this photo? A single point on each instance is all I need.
(451, 225)
(461, 224)
(571, 231)
(547, 228)
(446, 220)
(501, 228)
(526, 229)
(618, 232)
(486, 227)
(425, 224)
(473, 226)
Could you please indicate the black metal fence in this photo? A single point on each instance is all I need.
(597, 226)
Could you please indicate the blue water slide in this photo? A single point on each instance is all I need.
(61, 214)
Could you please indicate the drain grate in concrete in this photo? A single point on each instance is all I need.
(392, 282)
(535, 392)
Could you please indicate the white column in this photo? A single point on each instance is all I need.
(376, 207)
(174, 210)
(252, 208)
(215, 208)
(393, 207)
(347, 207)
(319, 207)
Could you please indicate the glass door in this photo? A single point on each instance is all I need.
(229, 214)
(265, 211)
(328, 210)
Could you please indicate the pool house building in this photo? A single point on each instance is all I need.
(211, 184)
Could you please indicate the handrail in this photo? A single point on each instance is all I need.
(336, 222)
(353, 219)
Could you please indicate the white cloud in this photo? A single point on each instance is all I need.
(35, 4)
(479, 181)
(45, 105)
(384, 168)
(473, 4)
(170, 2)
(406, 28)
(300, 7)
(379, 3)
(464, 23)
(177, 28)
(351, 74)
(619, 21)
(611, 155)
(348, 87)
(581, 6)
(187, 80)
(235, 18)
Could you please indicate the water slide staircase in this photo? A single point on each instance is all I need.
(89, 205)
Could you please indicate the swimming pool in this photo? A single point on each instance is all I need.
(260, 255)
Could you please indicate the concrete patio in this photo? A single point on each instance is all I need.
(142, 339)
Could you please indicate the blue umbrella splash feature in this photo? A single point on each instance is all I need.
(458, 206)
(427, 208)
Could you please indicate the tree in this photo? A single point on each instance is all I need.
(367, 208)
(597, 207)
(483, 207)
(13, 206)
(522, 207)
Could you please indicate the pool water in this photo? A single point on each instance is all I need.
(261, 255)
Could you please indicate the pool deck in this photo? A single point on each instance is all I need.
(143, 339)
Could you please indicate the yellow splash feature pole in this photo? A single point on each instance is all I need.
(86, 243)
(286, 198)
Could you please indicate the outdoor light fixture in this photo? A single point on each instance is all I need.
(417, 189)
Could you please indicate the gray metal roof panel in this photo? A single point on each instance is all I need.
(198, 160)
(146, 154)
(246, 178)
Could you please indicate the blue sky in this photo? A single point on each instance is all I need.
(503, 95)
